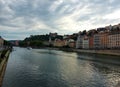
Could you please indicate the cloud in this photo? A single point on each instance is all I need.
(114, 15)
(26, 17)
(55, 5)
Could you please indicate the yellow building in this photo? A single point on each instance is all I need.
(58, 43)
(71, 43)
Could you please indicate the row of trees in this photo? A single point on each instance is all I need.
(35, 43)
(37, 37)
(7, 43)
(37, 40)
(42, 37)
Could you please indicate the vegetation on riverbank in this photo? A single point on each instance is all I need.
(3, 62)
(35, 43)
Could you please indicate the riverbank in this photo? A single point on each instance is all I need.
(3, 64)
(102, 52)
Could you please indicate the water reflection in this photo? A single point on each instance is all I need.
(106, 67)
(51, 68)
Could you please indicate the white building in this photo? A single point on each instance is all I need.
(114, 40)
(97, 41)
(85, 43)
(79, 42)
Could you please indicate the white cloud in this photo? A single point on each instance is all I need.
(113, 15)
(55, 5)
(62, 16)
(66, 23)
(39, 26)
(65, 8)
(75, 1)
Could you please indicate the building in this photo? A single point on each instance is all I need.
(71, 43)
(17, 43)
(52, 37)
(53, 34)
(104, 40)
(14, 42)
(97, 41)
(108, 28)
(101, 40)
(1, 42)
(79, 42)
(58, 43)
(114, 40)
(91, 42)
(85, 43)
(114, 37)
(66, 40)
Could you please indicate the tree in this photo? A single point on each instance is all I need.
(7, 43)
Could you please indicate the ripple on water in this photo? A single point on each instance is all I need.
(50, 68)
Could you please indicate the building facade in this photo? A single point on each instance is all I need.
(79, 42)
(91, 44)
(58, 43)
(86, 43)
(1, 41)
(114, 40)
(71, 43)
(104, 40)
(97, 41)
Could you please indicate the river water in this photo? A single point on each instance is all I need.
(51, 68)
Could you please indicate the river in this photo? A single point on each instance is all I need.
(51, 68)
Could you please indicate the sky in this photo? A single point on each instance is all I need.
(22, 18)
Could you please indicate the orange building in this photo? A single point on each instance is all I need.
(104, 40)
(101, 40)
(91, 44)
